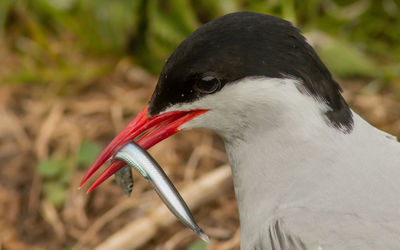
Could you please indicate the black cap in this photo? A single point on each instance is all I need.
(245, 44)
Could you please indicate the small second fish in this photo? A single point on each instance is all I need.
(124, 179)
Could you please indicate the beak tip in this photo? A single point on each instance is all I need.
(81, 185)
(91, 189)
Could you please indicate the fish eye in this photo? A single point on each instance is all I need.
(207, 85)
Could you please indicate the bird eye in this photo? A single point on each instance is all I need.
(207, 85)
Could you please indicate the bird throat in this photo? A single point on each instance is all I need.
(274, 157)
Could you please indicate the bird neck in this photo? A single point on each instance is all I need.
(273, 158)
(273, 167)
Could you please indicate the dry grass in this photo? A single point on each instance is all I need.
(37, 123)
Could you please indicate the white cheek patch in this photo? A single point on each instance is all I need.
(253, 101)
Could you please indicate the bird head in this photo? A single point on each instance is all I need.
(214, 80)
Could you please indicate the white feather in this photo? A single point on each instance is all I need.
(329, 189)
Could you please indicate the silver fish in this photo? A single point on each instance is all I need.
(124, 179)
(139, 159)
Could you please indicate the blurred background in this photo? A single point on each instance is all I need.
(73, 73)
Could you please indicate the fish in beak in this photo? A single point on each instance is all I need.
(123, 151)
(124, 179)
(147, 131)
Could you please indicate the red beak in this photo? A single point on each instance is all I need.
(150, 130)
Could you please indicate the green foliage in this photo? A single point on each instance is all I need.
(56, 172)
(151, 30)
(5, 6)
(198, 245)
(52, 168)
(368, 28)
(347, 61)
(88, 153)
(62, 42)
(162, 26)
(55, 191)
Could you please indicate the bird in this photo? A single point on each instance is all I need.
(308, 171)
